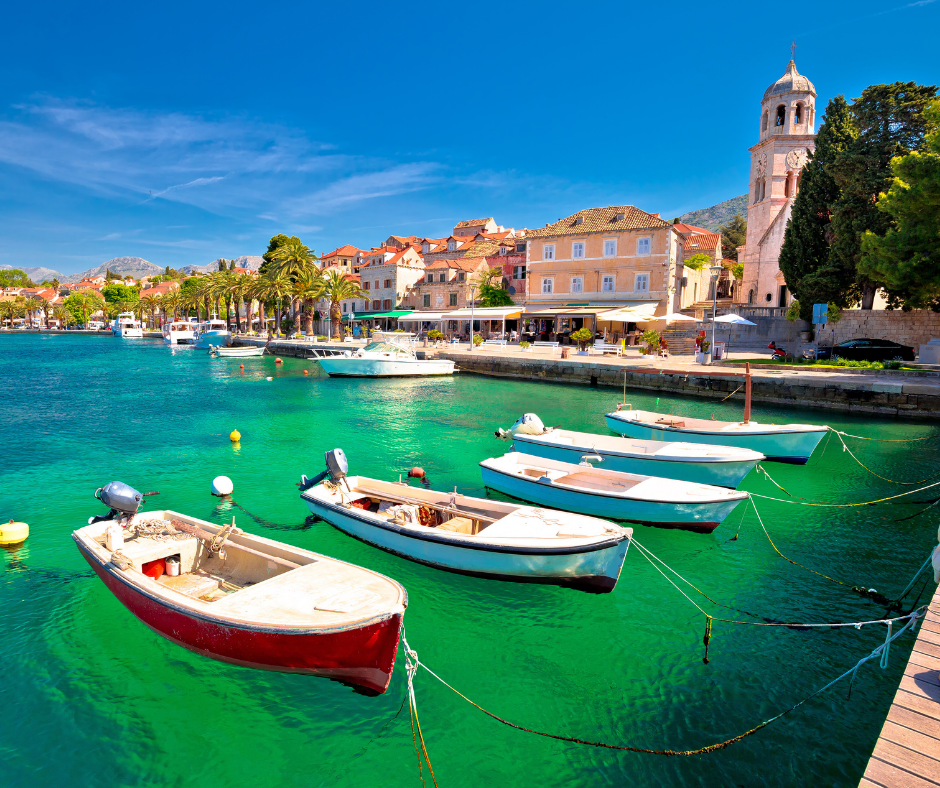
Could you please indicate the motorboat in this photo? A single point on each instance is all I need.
(213, 332)
(474, 536)
(582, 488)
(127, 326)
(724, 466)
(245, 599)
(248, 351)
(180, 332)
(389, 354)
(792, 443)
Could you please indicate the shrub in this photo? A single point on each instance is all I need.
(477, 340)
(650, 338)
(582, 336)
(525, 345)
(435, 334)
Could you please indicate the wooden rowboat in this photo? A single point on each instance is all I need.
(251, 601)
(239, 352)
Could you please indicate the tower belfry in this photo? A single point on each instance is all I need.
(786, 134)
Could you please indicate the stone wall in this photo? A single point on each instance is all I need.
(913, 328)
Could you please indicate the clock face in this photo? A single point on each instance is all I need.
(796, 158)
(761, 165)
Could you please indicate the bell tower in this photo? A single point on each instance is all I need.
(786, 134)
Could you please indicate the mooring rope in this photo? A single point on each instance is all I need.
(884, 478)
(877, 652)
(411, 667)
(885, 440)
(839, 505)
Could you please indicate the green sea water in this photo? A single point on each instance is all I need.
(92, 697)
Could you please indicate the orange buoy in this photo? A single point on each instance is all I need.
(241, 366)
(155, 569)
(278, 361)
(306, 372)
(416, 472)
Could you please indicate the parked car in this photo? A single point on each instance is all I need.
(864, 350)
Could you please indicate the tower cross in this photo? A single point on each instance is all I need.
(792, 48)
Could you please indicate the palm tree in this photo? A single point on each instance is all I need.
(220, 286)
(60, 313)
(307, 289)
(150, 304)
(171, 300)
(241, 285)
(295, 260)
(338, 287)
(276, 287)
(12, 309)
(257, 290)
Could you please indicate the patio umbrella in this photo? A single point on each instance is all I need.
(675, 317)
(733, 320)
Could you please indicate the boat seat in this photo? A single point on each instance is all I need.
(194, 585)
(460, 525)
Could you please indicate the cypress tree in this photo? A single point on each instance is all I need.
(811, 273)
(733, 235)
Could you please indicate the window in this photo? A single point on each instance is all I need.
(451, 246)
(781, 116)
(750, 296)
(365, 286)
(798, 113)
(577, 250)
(641, 283)
(610, 247)
(427, 300)
(643, 246)
(768, 298)
(548, 285)
(453, 299)
(461, 276)
(763, 122)
(548, 252)
(577, 284)
(442, 277)
(503, 250)
(430, 279)
(376, 306)
(520, 246)
(786, 186)
(518, 272)
(387, 303)
(388, 282)
(377, 285)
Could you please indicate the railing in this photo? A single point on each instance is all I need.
(746, 310)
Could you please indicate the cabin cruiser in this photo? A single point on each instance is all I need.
(387, 355)
(127, 325)
(179, 332)
(213, 333)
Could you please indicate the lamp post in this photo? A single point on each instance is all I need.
(716, 270)
(472, 305)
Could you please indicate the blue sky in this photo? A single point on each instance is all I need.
(184, 132)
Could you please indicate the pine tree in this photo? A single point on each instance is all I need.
(733, 235)
(805, 257)
(890, 122)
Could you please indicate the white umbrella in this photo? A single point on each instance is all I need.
(675, 317)
(736, 320)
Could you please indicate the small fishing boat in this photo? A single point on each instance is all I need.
(792, 443)
(387, 355)
(244, 599)
(127, 326)
(666, 503)
(248, 351)
(180, 332)
(474, 536)
(718, 465)
(213, 332)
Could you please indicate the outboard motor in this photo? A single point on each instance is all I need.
(529, 424)
(336, 469)
(122, 499)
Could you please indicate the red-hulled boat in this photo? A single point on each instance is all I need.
(248, 600)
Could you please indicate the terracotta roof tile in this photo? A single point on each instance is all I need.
(598, 220)
(473, 222)
(346, 249)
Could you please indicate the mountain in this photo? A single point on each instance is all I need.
(252, 262)
(712, 218)
(135, 266)
(39, 274)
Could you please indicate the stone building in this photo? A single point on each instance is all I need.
(445, 285)
(786, 134)
(388, 279)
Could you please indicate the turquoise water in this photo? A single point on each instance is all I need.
(92, 697)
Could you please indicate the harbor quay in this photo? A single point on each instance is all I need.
(899, 393)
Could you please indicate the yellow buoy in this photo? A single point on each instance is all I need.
(236, 436)
(13, 533)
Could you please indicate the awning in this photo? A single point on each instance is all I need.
(635, 312)
(373, 315)
(485, 313)
(422, 317)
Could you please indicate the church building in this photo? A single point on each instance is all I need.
(787, 123)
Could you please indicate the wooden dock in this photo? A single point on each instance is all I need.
(907, 754)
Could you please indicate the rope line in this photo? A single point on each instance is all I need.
(884, 478)
(411, 667)
(886, 440)
(843, 505)
(877, 652)
(734, 392)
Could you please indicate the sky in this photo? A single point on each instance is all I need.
(184, 132)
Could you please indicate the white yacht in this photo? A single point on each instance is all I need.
(180, 332)
(213, 333)
(388, 355)
(127, 325)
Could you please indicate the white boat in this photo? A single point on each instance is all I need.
(724, 466)
(127, 325)
(388, 355)
(248, 351)
(213, 332)
(782, 442)
(180, 332)
(473, 536)
(667, 503)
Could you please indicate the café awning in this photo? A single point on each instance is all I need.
(422, 317)
(485, 313)
(373, 315)
(633, 312)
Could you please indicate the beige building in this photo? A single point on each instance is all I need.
(787, 118)
(445, 285)
(346, 259)
(388, 278)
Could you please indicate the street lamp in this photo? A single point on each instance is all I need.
(472, 305)
(716, 270)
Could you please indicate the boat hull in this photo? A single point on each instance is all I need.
(353, 367)
(128, 333)
(362, 656)
(214, 338)
(720, 474)
(593, 568)
(700, 517)
(240, 352)
(793, 447)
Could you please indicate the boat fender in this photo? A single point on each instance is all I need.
(416, 472)
(528, 424)
(278, 361)
(222, 485)
(13, 533)
(347, 354)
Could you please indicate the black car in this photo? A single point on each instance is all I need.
(867, 350)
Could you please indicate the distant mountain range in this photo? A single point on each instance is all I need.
(38, 275)
(712, 218)
(252, 262)
(123, 266)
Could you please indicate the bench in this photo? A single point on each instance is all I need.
(497, 342)
(603, 347)
(552, 345)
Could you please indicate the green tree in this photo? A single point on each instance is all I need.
(698, 261)
(338, 287)
(812, 274)
(907, 258)
(294, 260)
(733, 235)
(84, 303)
(491, 291)
(109, 275)
(274, 244)
(890, 122)
(14, 277)
(117, 291)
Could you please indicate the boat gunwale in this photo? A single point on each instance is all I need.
(808, 428)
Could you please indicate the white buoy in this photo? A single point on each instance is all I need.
(222, 485)
(269, 378)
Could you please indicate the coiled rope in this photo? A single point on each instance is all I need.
(880, 652)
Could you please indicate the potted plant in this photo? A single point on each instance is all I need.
(435, 336)
(650, 338)
(706, 352)
(582, 336)
(477, 340)
(525, 346)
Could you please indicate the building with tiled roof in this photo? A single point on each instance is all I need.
(445, 284)
(347, 257)
(689, 229)
(474, 226)
(388, 275)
